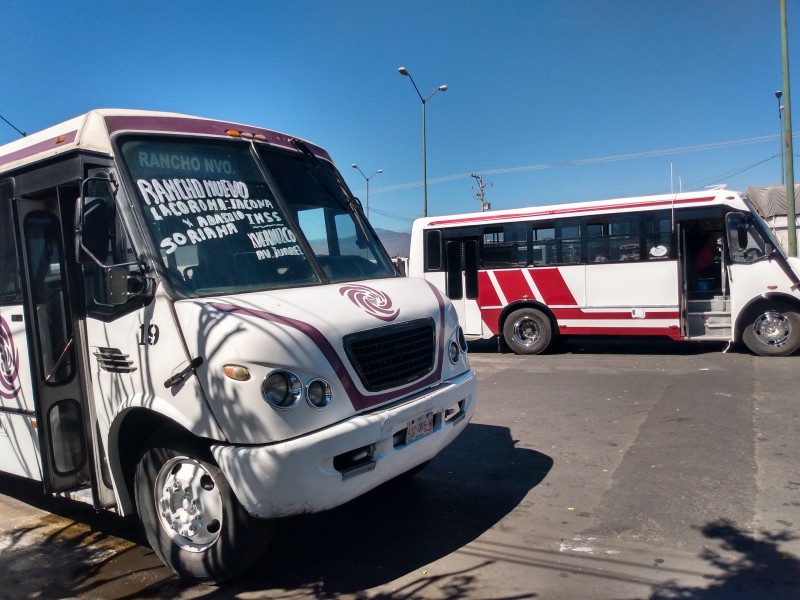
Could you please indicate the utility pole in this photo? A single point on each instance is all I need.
(787, 137)
(480, 195)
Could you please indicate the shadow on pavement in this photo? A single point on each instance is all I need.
(392, 531)
(761, 569)
(404, 525)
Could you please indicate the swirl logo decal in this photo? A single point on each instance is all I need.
(9, 362)
(374, 302)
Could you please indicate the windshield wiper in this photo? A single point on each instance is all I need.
(354, 204)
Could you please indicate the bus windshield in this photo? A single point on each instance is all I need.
(220, 227)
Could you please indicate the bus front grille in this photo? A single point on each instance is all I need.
(393, 356)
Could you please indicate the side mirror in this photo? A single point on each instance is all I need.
(741, 235)
(121, 286)
(117, 285)
(92, 230)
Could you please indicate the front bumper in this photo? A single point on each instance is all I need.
(329, 467)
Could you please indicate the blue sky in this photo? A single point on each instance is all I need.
(551, 101)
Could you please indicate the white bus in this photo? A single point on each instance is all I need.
(699, 266)
(199, 325)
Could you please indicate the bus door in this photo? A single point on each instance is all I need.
(49, 269)
(461, 282)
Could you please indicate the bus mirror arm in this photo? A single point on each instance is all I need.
(121, 285)
(91, 231)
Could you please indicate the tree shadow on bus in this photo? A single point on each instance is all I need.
(621, 345)
(405, 524)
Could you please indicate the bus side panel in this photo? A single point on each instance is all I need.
(19, 446)
(634, 298)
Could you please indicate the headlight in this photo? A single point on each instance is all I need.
(282, 389)
(455, 352)
(318, 393)
(462, 341)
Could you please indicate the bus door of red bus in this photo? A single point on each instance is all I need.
(461, 282)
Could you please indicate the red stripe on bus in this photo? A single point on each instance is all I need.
(668, 202)
(514, 286)
(487, 295)
(552, 286)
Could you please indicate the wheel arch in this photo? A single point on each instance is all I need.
(760, 304)
(536, 305)
(129, 438)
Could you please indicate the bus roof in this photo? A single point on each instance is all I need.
(663, 201)
(93, 130)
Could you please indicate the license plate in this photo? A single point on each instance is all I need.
(419, 427)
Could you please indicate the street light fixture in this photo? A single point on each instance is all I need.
(355, 166)
(778, 95)
(442, 88)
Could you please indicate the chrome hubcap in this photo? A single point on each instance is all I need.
(189, 504)
(526, 331)
(772, 329)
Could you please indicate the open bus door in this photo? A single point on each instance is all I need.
(461, 260)
(49, 276)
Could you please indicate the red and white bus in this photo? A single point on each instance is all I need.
(691, 266)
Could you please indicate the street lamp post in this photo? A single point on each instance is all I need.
(778, 95)
(355, 166)
(442, 88)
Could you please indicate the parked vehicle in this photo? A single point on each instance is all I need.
(199, 324)
(698, 266)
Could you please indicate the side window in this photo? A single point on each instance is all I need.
(49, 295)
(433, 250)
(121, 252)
(597, 249)
(745, 243)
(569, 234)
(10, 290)
(658, 235)
(505, 246)
(623, 237)
(544, 244)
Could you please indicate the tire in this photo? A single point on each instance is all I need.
(191, 517)
(774, 332)
(528, 331)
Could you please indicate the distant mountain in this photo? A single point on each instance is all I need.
(396, 244)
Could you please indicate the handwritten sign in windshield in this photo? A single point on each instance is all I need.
(200, 210)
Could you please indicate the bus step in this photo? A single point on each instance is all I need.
(710, 324)
(83, 494)
(715, 304)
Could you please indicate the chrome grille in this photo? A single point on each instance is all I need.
(392, 356)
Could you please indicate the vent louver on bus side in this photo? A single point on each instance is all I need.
(392, 356)
(113, 360)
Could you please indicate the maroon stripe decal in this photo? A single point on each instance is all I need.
(189, 125)
(39, 147)
(359, 400)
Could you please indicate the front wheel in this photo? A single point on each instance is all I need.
(192, 518)
(773, 333)
(528, 331)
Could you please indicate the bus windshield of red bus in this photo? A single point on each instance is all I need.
(220, 227)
